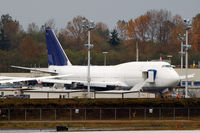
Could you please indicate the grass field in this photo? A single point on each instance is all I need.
(130, 125)
(132, 114)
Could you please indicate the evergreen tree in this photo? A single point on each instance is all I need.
(114, 39)
(4, 42)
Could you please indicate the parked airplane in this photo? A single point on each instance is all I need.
(137, 76)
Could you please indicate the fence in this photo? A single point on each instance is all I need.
(72, 114)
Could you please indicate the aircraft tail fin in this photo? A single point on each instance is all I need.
(56, 54)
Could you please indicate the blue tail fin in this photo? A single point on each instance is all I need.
(56, 54)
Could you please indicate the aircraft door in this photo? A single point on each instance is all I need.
(149, 75)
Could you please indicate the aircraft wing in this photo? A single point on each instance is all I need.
(92, 83)
(56, 81)
(105, 84)
(113, 91)
(21, 79)
(35, 69)
(5, 77)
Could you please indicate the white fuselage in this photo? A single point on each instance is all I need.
(127, 74)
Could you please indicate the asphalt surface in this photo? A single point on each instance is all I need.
(53, 131)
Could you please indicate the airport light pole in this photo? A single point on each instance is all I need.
(89, 46)
(182, 55)
(181, 39)
(187, 47)
(104, 57)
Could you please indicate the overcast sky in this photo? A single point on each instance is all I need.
(106, 11)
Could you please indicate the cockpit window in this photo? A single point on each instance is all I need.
(167, 66)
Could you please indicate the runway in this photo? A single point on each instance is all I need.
(157, 131)
(153, 131)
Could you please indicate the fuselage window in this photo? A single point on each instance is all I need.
(167, 66)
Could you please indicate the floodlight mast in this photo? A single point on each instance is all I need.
(187, 47)
(181, 39)
(182, 55)
(89, 46)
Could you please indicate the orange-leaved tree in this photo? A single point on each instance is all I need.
(28, 50)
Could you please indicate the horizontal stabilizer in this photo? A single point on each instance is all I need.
(35, 69)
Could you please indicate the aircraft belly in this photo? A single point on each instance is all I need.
(153, 89)
(132, 81)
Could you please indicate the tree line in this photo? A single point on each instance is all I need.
(156, 33)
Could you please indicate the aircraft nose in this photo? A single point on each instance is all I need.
(174, 79)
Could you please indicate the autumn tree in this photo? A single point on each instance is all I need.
(28, 50)
(155, 31)
(33, 28)
(122, 29)
(100, 37)
(48, 24)
(63, 37)
(137, 32)
(141, 27)
(36, 33)
(10, 31)
(152, 25)
(131, 30)
(196, 33)
(178, 29)
(77, 35)
(102, 30)
(9, 25)
(137, 29)
(164, 26)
